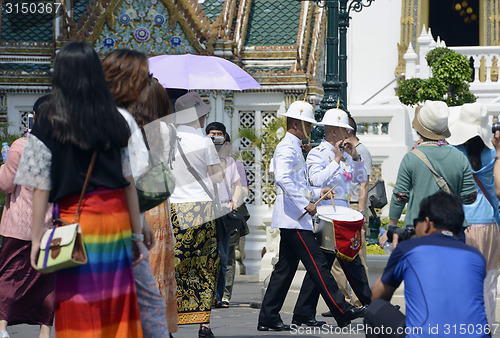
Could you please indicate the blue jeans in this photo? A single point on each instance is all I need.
(224, 253)
(151, 303)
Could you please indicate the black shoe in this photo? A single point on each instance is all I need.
(205, 332)
(278, 326)
(309, 322)
(352, 313)
(327, 314)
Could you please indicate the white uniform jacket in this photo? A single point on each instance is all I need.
(325, 171)
(292, 185)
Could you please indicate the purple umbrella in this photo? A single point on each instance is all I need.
(188, 71)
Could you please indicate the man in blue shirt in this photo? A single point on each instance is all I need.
(443, 279)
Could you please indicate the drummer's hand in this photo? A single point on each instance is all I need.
(348, 147)
(306, 146)
(338, 153)
(311, 209)
(324, 190)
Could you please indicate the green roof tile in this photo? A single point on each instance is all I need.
(212, 8)
(273, 22)
(24, 27)
(79, 8)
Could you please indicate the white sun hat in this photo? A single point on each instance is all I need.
(336, 117)
(468, 121)
(301, 110)
(431, 120)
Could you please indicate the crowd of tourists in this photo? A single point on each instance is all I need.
(148, 268)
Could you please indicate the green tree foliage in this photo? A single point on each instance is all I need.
(450, 81)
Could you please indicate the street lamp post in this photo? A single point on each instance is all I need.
(335, 85)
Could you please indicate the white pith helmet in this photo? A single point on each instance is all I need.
(301, 110)
(336, 117)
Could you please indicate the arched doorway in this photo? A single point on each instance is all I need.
(455, 21)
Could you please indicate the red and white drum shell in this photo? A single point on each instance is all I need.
(324, 223)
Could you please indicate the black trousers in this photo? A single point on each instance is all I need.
(300, 245)
(356, 276)
(383, 320)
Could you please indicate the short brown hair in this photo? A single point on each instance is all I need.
(127, 74)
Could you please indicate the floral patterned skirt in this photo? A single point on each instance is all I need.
(161, 258)
(196, 260)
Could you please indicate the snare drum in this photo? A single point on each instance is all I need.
(351, 220)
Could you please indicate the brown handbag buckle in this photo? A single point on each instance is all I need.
(55, 248)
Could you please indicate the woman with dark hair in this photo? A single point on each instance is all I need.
(97, 299)
(470, 133)
(153, 112)
(26, 296)
(127, 75)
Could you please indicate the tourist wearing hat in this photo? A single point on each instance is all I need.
(471, 134)
(192, 215)
(335, 162)
(415, 180)
(297, 240)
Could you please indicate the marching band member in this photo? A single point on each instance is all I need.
(335, 162)
(298, 242)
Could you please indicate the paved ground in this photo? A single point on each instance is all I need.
(240, 320)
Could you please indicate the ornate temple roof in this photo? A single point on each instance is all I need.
(278, 42)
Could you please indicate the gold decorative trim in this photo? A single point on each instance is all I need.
(245, 9)
(100, 12)
(317, 38)
(411, 11)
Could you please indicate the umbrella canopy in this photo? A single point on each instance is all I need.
(188, 71)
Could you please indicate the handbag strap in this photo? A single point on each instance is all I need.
(481, 186)
(85, 185)
(441, 182)
(55, 210)
(193, 171)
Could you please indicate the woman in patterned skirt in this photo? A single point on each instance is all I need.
(152, 114)
(196, 254)
(97, 299)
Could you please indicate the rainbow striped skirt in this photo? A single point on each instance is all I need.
(98, 299)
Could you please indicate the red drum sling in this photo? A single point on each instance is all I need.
(338, 230)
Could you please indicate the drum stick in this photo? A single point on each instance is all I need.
(316, 203)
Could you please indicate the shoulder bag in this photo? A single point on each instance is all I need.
(439, 179)
(220, 226)
(156, 185)
(62, 246)
(225, 221)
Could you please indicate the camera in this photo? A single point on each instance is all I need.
(404, 234)
(217, 139)
(495, 126)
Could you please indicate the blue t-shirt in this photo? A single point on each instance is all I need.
(443, 286)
